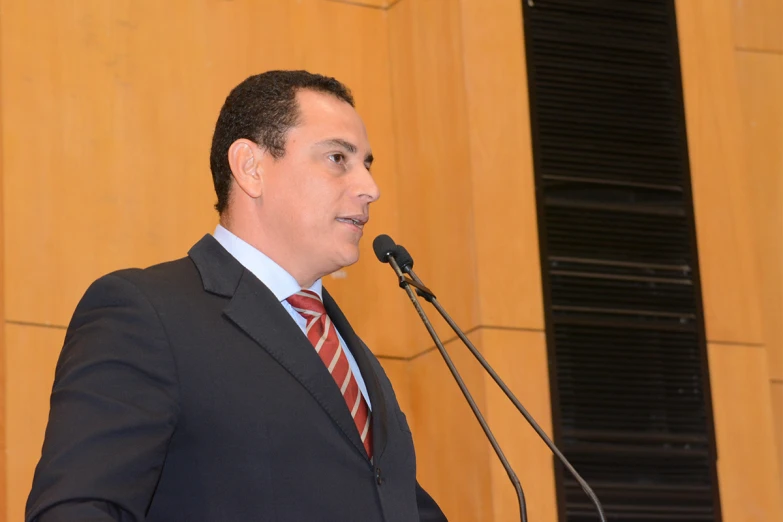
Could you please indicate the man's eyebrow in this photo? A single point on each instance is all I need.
(347, 145)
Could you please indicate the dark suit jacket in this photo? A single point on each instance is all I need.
(185, 392)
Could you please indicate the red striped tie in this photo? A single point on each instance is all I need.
(323, 336)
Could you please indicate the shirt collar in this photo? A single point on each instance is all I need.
(274, 276)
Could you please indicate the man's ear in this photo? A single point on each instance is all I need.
(244, 158)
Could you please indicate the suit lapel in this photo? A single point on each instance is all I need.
(362, 355)
(256, 311)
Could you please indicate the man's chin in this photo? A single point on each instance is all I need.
(351, 260)
(349, 257)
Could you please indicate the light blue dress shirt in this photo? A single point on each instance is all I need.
(283, 285)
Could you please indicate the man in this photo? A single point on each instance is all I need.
(228, 385)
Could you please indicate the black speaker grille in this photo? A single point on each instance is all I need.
(625, 332)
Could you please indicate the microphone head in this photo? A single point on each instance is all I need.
(384, 246)
(404, 259)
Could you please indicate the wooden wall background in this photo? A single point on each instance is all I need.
(726, 187)
(106, 114)
(758, 51)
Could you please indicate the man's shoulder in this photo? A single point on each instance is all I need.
(167, 279)
(158, 274)
(207, 269)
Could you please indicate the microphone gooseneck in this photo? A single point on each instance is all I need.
(408, 269)
(381, 246)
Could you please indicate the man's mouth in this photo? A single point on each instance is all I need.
(355, 221)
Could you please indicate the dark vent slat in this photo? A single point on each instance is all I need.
(564, 147)
(636, 12)
(629, 64)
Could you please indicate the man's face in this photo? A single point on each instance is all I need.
(316, 198)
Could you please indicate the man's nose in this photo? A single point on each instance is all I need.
(368, 189)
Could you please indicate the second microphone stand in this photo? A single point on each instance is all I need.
(422, 290)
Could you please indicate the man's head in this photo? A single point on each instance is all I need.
(290, 162)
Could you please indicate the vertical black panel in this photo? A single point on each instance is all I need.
(625, 327)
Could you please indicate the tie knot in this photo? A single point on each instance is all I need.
(307, 303)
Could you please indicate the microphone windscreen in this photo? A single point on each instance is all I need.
(383, 246)
(403, 258)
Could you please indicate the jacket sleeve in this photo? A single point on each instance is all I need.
(114, 407)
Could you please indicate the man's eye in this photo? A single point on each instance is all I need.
(337, 157)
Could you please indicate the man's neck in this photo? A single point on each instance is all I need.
(255, 237)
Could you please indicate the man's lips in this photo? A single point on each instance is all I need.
(357, 221)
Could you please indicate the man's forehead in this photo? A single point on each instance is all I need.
(323, 103)
(326, 118)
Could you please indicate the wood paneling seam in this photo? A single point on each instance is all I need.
(454, 338)
(735, 343)
(370, 6)
(38, 325)
(759, 51)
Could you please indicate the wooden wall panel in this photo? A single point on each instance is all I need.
(777, 417)
(759, 54)
(760, 78)
(114, 106)
(508, 272)
(3, 387)
(717, 159)
(750, 482)
(758, 24)
(433, 154)
(520, 358)
(468, 216)
(32, 354)
(109, 102)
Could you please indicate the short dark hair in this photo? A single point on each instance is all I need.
(262, 109)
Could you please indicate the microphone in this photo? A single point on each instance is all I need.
(405, 261)
(384, 246)
(388, 252)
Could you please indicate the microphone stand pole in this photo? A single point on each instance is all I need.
(406, 284)
(427, 294)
